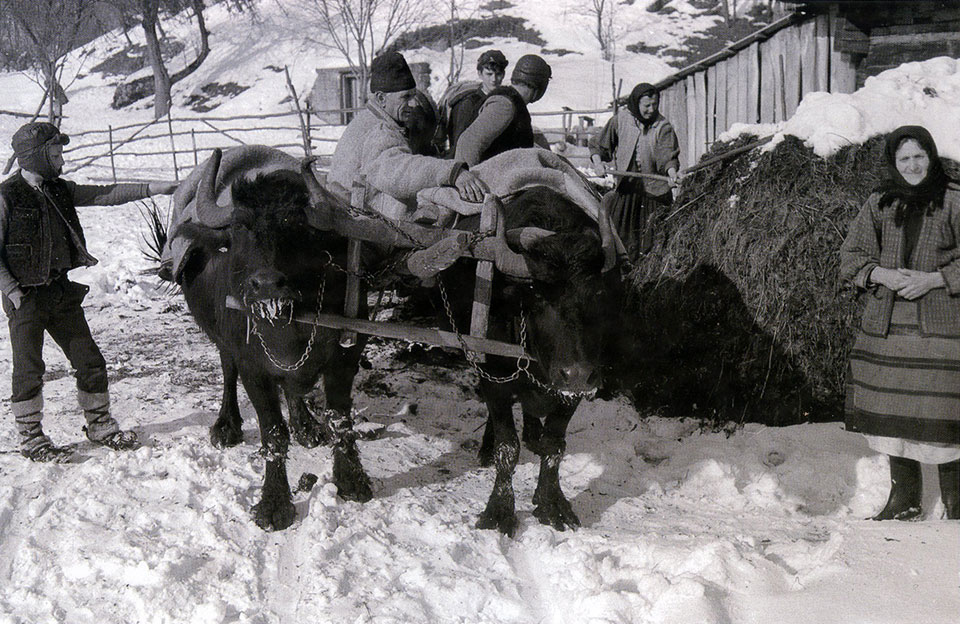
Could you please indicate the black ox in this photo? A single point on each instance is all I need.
(278, 265)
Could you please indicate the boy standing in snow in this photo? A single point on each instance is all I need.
(40, 241)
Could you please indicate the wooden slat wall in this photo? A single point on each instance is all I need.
(763, 83)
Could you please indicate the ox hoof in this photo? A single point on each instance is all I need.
(223, 435)
(274, 513)
(309, 434)
(499, 518)
(555, 511)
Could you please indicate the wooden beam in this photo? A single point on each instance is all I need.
(410, 333)
(483, 280)
(351, 303)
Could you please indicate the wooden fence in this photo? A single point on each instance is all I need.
(759, 79)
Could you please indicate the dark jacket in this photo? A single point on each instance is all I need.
(463, 111)
(27, 225)
(502, 124)
(875, 240)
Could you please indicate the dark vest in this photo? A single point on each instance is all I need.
(462, 113)
(520, 131)
(29, 245)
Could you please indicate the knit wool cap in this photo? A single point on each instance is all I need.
(30, 145)
(493, 57)
(389, 73)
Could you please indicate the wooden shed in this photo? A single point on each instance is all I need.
(336, 93)
(818, 45)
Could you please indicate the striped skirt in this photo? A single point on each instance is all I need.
(905, 385)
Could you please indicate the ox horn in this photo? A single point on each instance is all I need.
(506, 260)
(207, 187)
(320, 198)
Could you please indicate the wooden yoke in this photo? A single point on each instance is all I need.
(351, 304)
(483, 284)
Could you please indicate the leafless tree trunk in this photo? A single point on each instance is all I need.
(362, 29)
(149, 16)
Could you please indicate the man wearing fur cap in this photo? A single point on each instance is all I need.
(375, 145)
(40, 241)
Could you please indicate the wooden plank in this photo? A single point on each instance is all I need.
(720, 116)
(776, 49)
(711, 104)
(843, 71)
(351, 303)
(399, 331)
(768, 83)
(808, 57)
(752, 71)
(734, 91)
(700, 115)
(678, 118)
(483, 281)
(823, 53)
(691, 120)
(792, 57)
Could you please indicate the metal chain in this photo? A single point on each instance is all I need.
(289, 368)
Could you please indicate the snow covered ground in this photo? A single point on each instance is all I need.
(680, 525)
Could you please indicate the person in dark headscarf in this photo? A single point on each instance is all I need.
(903, 379)
(638, 139)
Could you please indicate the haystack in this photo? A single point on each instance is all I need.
(738, 312)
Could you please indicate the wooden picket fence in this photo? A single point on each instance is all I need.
(759, 79)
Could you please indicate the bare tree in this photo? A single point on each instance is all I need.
(361, 29)
(38, 34)
(148, 14)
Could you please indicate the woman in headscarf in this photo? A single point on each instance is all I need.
(903, 381)
(638, 139)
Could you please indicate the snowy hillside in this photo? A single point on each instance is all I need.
(681, 524)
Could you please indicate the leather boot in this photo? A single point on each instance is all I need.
(950, 488)
(906, 490)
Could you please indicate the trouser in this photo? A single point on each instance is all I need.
(56, 309)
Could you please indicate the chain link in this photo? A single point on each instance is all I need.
(289, 368)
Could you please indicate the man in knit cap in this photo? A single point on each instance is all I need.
(375, 146)
(40, 241)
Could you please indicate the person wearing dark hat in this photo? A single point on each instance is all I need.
(503, 122)
(902, 251)
(638, 139)
(462, 101)
(376, 146)
(40, 241)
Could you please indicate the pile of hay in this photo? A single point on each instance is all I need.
(738, 312)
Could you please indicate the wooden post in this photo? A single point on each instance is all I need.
(113, 165)
(173, 147)
(351, 304)
(193, 138)
(483, 284)
(304, 133)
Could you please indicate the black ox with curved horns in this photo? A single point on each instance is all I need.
(269, 257)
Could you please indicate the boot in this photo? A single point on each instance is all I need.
(34, 444)
(950, 488)
(906, 490)
(101, 427)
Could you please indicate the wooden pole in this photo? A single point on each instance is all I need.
(351, 304)
(411, 333)
(113, 166)
(173, 147)
(193, 138)
(483, 284)
(307, 148)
